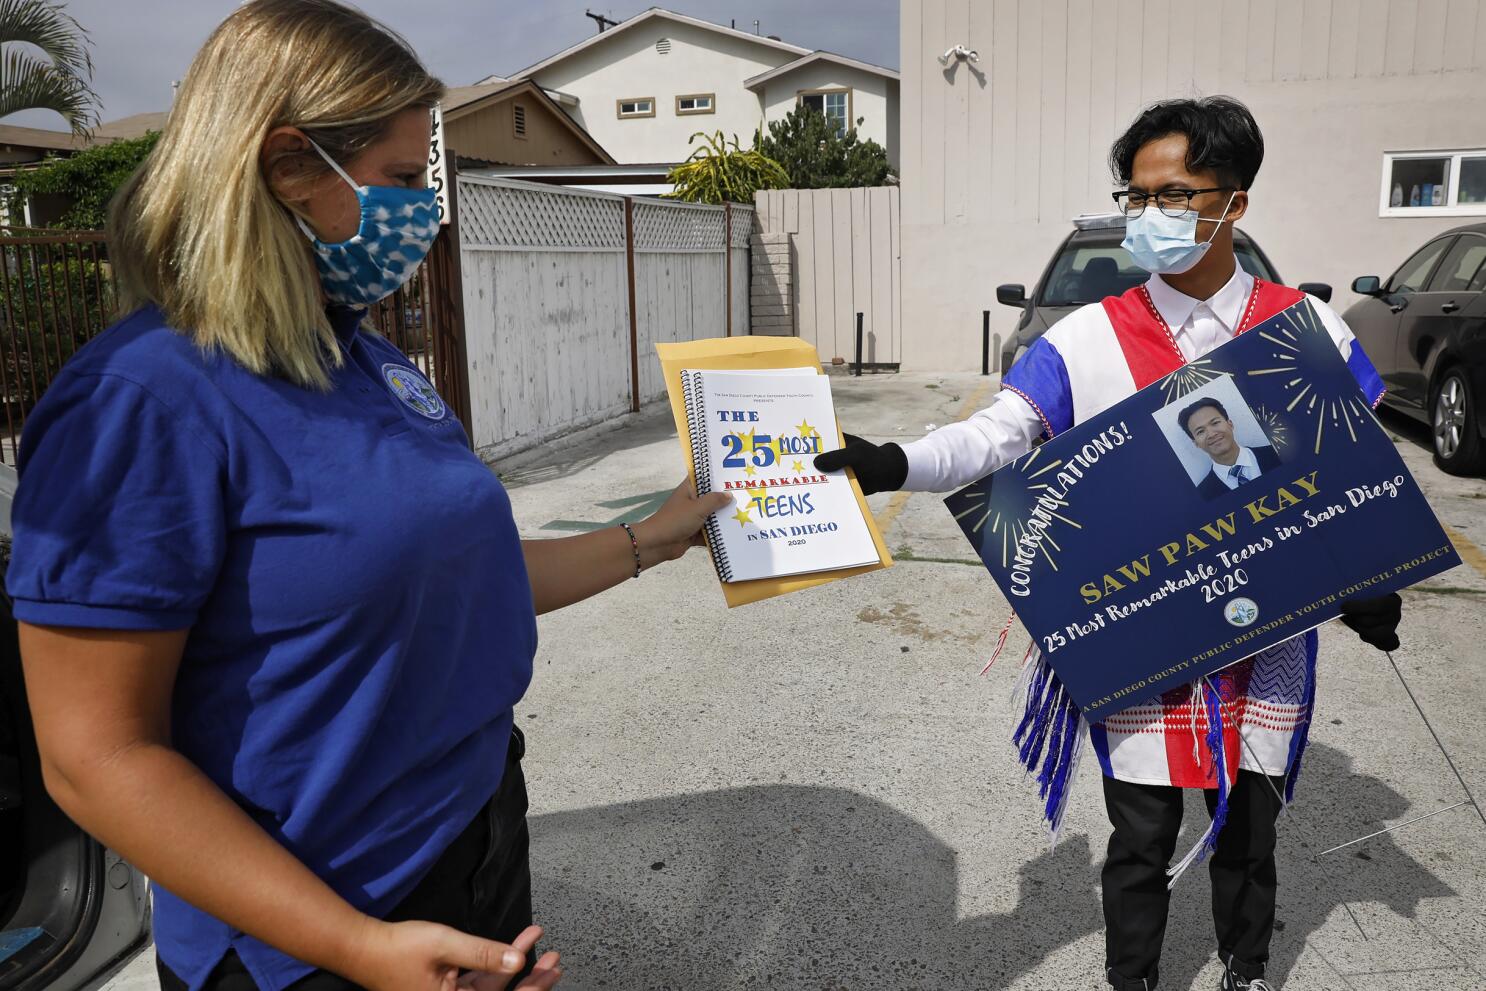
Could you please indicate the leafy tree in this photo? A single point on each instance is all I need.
(60, 81)
(722, 170)
(88, 179)
(807, 144)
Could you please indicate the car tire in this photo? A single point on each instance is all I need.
(1458, 446)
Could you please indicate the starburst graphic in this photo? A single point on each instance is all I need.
(799, 467)
(1336, 404)
(742, 516)
(1275, 428)
(996, 517)
(1188, 379)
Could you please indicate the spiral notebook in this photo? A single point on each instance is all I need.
(755, 435)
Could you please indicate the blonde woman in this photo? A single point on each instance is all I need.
(275, 614)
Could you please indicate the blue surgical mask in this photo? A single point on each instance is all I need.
(1168, 245)
(397, 228)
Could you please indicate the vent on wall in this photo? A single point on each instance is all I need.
(663, 46)
(519, 116)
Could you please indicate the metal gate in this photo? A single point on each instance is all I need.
(425, 318)
(57, 293)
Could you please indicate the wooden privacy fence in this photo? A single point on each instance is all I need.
(567, 292)
(845, 246)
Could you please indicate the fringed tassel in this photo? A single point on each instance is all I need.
(1037, 677)
(1213, 704)
(1000, 643)
(1064, 773)
(1048, 735)
(1303, 731)
(1036, 738)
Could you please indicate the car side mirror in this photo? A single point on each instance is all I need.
(1320, 290)
(1012, 294)
(1367, 285)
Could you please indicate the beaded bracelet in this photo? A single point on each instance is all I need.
(634, 546)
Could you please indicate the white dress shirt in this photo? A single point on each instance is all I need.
(959, 453)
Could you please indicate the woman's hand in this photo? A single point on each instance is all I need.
(423, 956)
(677, 525)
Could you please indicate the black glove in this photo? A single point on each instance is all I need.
(1375, 620)
(879, 468)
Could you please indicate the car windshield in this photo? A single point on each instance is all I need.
(1088, 270)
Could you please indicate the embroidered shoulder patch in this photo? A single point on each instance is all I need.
(409, 385)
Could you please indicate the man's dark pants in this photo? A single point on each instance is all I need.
(1146, 819)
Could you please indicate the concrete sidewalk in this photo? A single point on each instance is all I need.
(817, 792)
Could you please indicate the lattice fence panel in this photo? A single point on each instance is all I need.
(677, 227)
(743, 222)
(504, 217)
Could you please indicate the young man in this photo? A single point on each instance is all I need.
(1187, 166)
(1211, 429)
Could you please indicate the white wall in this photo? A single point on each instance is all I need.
(997, 157)
(628, 65)
(873, 98)
(844, 246)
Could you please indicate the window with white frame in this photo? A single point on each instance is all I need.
(642, 106)
(694, 103)
(835, 104)
(1443, 183)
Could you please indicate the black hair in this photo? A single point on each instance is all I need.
(1202, 404)
(1221, 135)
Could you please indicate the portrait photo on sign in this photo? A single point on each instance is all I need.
(1217, 437)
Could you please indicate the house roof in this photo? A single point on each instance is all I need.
(814, 57)
(658, 13)
(131, 127)
(37, 137)
(458, 97)
(460, 101)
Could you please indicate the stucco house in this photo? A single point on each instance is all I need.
(643, 87)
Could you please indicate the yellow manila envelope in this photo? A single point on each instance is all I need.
(742, 353)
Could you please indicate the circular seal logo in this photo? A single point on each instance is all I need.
(1241, 611)
(414, 390)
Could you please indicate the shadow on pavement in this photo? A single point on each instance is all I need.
(575, 453)
(816, 887)
(1406, 427)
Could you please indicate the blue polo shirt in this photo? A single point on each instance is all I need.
(361, 620)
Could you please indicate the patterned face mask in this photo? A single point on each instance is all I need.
(397, 228)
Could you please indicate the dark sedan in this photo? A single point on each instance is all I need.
(1425, 330)
(1089, 265)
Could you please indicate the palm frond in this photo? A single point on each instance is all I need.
(50, 28)
(27, 83)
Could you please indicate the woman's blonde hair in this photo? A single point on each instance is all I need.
(197, 230)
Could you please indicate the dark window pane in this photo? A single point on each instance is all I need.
(1472, 180)
(1460, 265)
(1414, 272)
(1088, 273)
(1419, 182)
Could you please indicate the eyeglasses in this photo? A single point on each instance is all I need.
(1172, 202)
